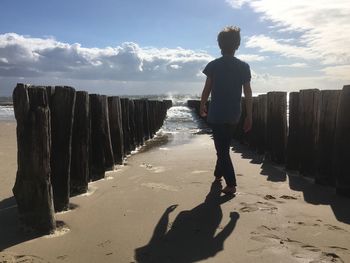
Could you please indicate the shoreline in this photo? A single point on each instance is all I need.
(275, 216)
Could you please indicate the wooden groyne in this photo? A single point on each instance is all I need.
(311, 135)
(67, 139)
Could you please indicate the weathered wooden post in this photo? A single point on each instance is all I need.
(139, 122)
(126, 125)
(293, 144)
(328, 118)
(165, 108)
(309, 105)
(101, 146)
(79, 171)
(168, 103)
(62, 113)
(277, 125)
(32, 190)
(164, 111)
(157, 115)
(132, 125)
(151, 119)
(146, 129)
(115, 123)
(342, 144)
(262, 118)
(253, 134)
(239, 133)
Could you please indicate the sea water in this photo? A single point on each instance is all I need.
(180, 125)
(6, 113)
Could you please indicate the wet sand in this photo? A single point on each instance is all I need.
(163, 206)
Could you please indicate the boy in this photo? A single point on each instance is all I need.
(225, 78)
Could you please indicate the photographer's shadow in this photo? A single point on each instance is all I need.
(191, 237)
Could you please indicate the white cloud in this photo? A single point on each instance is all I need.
(264, 82)
(174, 66)
(338, 72)
(4, 61)
(268, 44)
(293, 65)
(236, 3)
(324, 27)
(23, 56)
(251, 57)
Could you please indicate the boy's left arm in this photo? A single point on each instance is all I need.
(248, 122)
(204, 97)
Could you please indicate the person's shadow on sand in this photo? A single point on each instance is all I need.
(191, 236)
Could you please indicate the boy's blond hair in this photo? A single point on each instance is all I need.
(229, 39)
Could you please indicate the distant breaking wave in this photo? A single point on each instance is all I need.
(7, 113)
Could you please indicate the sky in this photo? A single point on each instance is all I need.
(131, 47)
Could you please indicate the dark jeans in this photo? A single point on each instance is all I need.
(222, 134)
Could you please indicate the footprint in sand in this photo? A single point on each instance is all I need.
(147, 165)
(301, 223)
(258, 206)
(13, 258)
(274, 244)
(335, 228)
(160, 186)
(63, 257)
(199, 172)
(338, 248)
(266, 228)
(288, 197)
(152, 168)
(104, 243)
(269, 197)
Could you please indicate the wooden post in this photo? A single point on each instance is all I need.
(62, 113)
(132, 125)
(342, 144)
(146, 130)
(139, 122)
(152, 127)
(79, 172)
(277, 125)
(253, 134)
(109, 159)
(328, 117)
(32, 190)
(101, 147)
(293, 144)
(168, 103)
(262, 118)
(309, 104)
(269, 124)
(239, 133)
(115, 123)
(158, 114)
(126, 126)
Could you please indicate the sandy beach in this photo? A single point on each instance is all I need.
(163, 206)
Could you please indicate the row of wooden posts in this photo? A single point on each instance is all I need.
(309, 134)
(67, 138)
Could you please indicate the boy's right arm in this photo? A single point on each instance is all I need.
(204, 98)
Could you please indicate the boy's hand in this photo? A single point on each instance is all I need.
(203, 111)
(248, 122)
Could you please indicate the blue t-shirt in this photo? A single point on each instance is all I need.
(228, 74)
